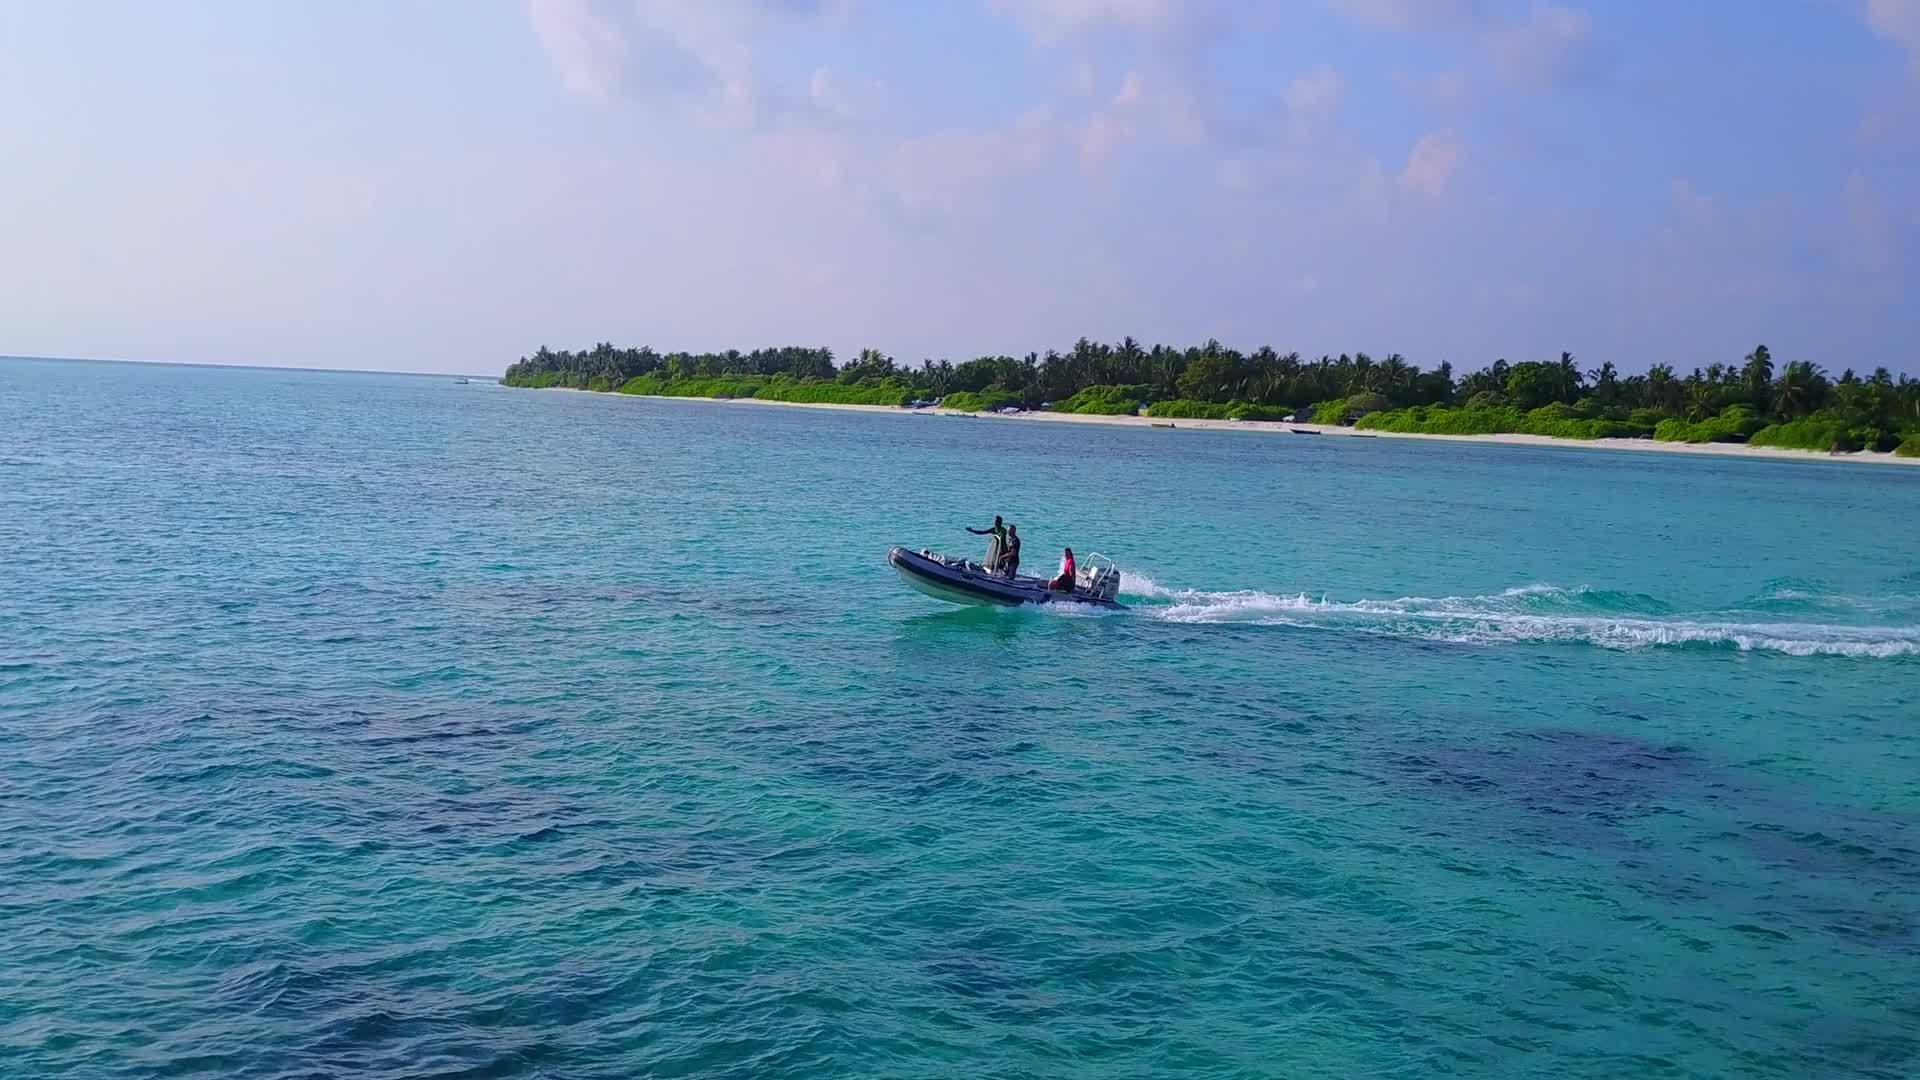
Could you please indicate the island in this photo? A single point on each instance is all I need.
(1794, 406)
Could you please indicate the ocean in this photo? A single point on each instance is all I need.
(381, 726)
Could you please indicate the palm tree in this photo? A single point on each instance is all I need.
(1758, 368)
(1567, 378)
(1055, 375)
(1130, 362)
(1855, 401)
(1361, 374)
(1605, 382)
(937, 376)
(1700, 396)
(1395, 375)
(1661, 387)
(1435, 387)
(1800, 387)
(1166, 367)
(1757, 373)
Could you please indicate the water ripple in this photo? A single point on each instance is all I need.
(359, 726)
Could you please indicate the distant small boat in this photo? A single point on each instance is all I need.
(1163, 425)
(1302, 431)
(462, 382)
(1358, 435)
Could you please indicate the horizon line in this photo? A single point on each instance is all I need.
(244, 367)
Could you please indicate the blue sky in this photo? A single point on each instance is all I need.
(445, 186)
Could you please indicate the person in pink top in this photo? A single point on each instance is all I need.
(1064, 583)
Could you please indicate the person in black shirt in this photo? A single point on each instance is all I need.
(996, 546)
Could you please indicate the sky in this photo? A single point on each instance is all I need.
(433, 185)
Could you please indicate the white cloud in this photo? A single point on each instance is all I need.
(836, 95)
(813, 157)
(1867, 223)
(1099, 138)
(1875, 127)
(1062, 18)
(933, 169)
(1417, 14)
(827, 131)
(1691, 202)
(1316, 93)
(1554, 46)
(823, 87)
(1431, 167)
(1144, 108)
(1168, 95)
(700, 55)
(1899, 22)
(1313, 175)
(1441, 90)
(1085, 77)
(585, 42)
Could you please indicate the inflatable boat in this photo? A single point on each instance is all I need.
(963, 581)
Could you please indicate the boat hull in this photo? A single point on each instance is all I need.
(960, 582)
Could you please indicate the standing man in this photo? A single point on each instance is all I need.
(1010, 558)
(995, 545)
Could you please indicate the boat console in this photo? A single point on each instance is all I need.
(1096, 578)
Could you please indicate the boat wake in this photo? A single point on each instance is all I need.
(1529, 614)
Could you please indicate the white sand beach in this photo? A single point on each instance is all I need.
(1293, 430)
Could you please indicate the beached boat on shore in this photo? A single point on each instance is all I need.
(963, 581)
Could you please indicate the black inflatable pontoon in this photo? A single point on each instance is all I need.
(962, 581)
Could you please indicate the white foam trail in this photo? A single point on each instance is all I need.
(1530, 613)
(1132, 584)
(1069, 610)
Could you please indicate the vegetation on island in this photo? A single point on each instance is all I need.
(772, 388)
(1797, 405)
(1557, 420)
(981, 401)
(1189, 409)
(1107, 400)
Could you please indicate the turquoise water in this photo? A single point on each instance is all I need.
(381, 726)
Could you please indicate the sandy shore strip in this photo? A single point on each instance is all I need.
(1284, 428)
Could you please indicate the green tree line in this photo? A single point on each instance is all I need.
(1794, 404)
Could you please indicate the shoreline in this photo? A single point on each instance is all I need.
(1278, 427)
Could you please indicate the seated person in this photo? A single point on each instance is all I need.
(1064, 583)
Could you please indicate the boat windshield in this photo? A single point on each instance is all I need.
(1096, 576)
